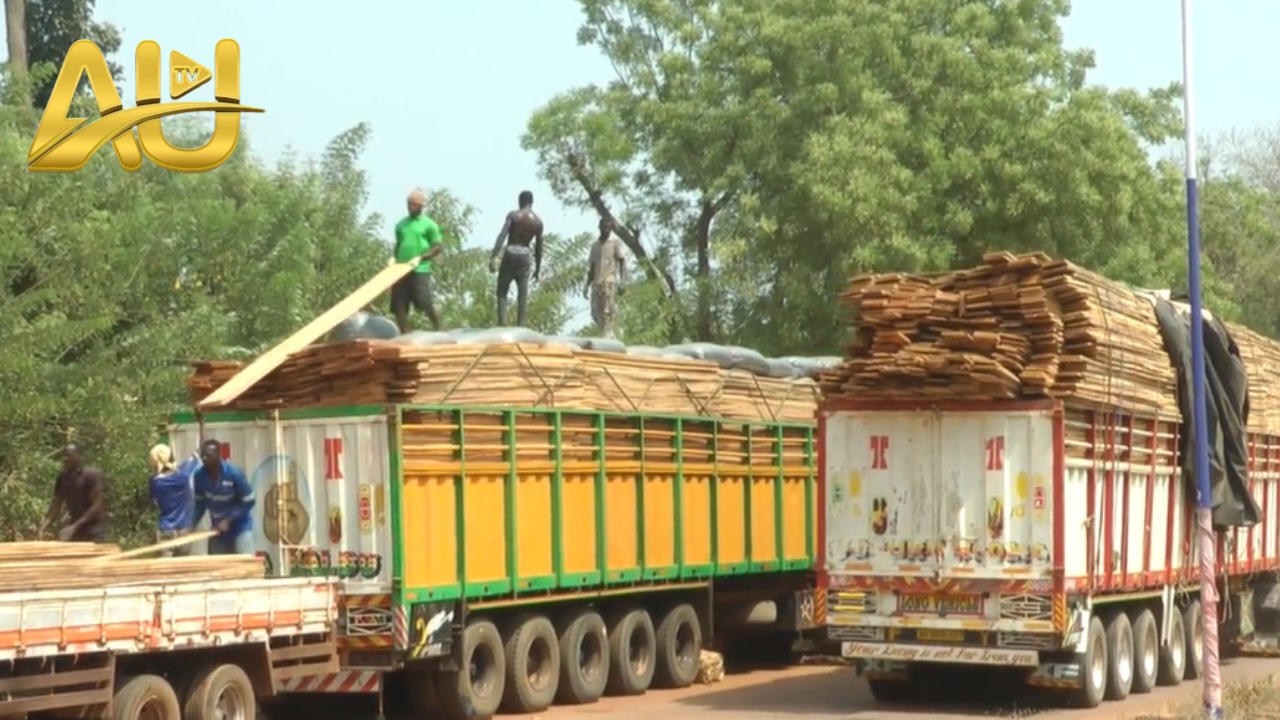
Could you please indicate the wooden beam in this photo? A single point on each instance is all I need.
(314, 330)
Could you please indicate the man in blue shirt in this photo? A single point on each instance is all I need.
(222, 489)
(172, 495)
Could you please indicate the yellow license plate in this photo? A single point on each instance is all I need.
(951, 636)
(919, 604)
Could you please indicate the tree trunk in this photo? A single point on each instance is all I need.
(15, 21)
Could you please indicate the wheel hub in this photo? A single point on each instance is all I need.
(230, 705)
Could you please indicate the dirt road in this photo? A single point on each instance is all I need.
(825, 693)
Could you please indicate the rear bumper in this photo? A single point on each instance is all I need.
(952, 654)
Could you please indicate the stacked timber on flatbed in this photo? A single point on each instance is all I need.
(1025, 327)
(513, 375)
(40, 566)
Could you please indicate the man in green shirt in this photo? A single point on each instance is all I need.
(417, 238)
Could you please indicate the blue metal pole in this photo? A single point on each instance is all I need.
(1207, 541)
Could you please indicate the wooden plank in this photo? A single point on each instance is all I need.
(312, 331)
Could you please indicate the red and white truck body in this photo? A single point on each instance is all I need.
(992, 533)
(76, 649)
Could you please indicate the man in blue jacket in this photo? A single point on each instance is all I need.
(172, 494)
(222, 489)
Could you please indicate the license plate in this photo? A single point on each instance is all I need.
(940, 635)
(917, 604)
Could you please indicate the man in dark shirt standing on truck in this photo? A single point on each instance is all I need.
(82, 490)
(418, 237)
(522, 229)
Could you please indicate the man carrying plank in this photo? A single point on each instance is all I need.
(82, 490)
(222, 489)
(172, 494)
(418, 238)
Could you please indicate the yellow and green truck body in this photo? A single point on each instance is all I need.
(429, 513)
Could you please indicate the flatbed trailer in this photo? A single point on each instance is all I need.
(1055, 540)
(181, 651)
(558, 555)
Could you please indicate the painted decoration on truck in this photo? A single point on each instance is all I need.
(321, 488)
(957, 494)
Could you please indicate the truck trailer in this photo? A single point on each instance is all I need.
(508, 559)
(1054, 537)
(163, 651)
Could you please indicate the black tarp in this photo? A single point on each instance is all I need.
(1227, 402)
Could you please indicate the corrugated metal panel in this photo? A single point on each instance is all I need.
(940, 495)
(323, 493)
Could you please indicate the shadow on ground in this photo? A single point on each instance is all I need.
(972, 692)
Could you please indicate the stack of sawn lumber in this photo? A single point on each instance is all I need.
(38, 566)
(1024, 327)
(516, 375)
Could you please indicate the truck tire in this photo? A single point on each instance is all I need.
(220, 692)
(1173, 659)
(631, 654)
(1146, 652)
(679, 647)
(1093, 667)
(584, 659)
(1193, 632)
(533, 666)
(146, 696)
(475, 692)
(1119, 656)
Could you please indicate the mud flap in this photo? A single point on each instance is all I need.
(432, 627)
(876, 669)
(1065, 674)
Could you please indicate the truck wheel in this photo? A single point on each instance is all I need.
(1119, 657)
(584, 659)
(1173, 659)
(146, 697)
(475, 692)
(1146, 652)
(679, 648)
(1093, 666)
(220, 692)
(533, 666)
(1193, 631)
(631, 654)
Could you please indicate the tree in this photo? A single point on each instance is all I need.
(787, 145)
(52, 27)
(114, 281)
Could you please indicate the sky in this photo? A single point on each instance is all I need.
(448, 87)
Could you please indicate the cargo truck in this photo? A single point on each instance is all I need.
(508, 559)
(1050, 538)
(163, 651)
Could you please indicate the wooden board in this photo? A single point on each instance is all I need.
(1025, 326)
(519, 375)
(28, 566)
(312, 331)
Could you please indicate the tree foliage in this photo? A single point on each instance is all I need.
(114, 281)
(775, 148)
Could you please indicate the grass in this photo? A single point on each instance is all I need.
(1253, 700)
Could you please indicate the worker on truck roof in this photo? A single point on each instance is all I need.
(173, 496)
(82, 490)
(521, 229)
(606, 277)
(222, 489)
(418, 238)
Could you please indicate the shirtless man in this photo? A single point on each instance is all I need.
(522, 228)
